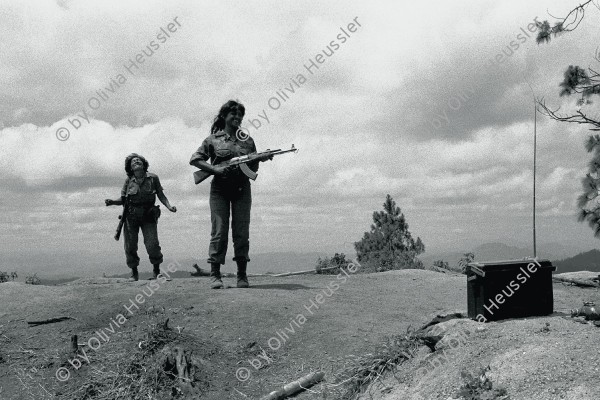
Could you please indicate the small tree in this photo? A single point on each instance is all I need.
(389, 244)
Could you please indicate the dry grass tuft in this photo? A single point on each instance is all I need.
(361, 371)
(137, 375)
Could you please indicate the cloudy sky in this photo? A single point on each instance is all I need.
(409, 100)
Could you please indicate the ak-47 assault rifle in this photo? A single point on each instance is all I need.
(201, 175)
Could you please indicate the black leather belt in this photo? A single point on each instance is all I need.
(149, 205)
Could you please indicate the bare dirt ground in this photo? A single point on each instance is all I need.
(298, 324)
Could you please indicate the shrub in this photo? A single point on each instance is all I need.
(462, 263)
(33, 280)
(478, 386)
(338, 261)
(460, 268)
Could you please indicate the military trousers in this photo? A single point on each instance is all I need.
(235, 199)
(149, 229)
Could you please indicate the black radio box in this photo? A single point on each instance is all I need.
(509, 289)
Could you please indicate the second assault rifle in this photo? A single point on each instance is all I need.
(201, 175)
(122, 218)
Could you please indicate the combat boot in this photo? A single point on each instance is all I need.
(135, 276)
(156, 270)
(242, 278)
(215, 276)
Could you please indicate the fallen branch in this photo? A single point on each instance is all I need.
(199, 271)
(446, 271)
(438, 269)
(577, 282)
(296, 386)
(48, 321)
(308, 271)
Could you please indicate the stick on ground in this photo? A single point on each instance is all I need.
(309, 271)
(48, 321)
(74, 345)
(296, 386)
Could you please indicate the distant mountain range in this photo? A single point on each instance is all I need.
(588, 261)
(501, 251)
(564, 258)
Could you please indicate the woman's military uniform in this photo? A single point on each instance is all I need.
(229, 192)
(142, 213)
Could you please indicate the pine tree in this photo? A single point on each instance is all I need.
(389, 244)
(585, 85)
(588, 201)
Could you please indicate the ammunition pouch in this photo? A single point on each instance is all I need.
(155, 213)
(144, 213)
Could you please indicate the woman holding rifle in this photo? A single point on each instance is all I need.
(229, 190)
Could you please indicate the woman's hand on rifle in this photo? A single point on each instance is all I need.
(221, 170)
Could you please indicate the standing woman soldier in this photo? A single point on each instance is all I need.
(141, 189)
(229, 189)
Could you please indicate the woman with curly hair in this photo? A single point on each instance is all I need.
(229, 190)
(141, 189)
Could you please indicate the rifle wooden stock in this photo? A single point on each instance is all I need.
(200, 175)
